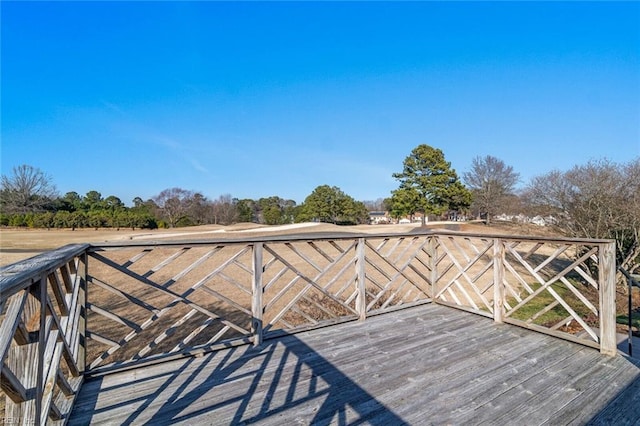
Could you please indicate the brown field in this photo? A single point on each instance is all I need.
(19, 244)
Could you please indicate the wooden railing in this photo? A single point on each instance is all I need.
(633, 281)
(91, 309)
(42, 335)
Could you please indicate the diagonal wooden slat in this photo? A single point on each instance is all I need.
(563, 322)
(586, 302)
(311, 282)
(52, 363)
(124, 295)
(322, 253)
(462, 271)
(303, 314)
(454, 242)
(543, 311)
(58, 292)
(68, 277)
(235, 283)
(393, 295)
(94, 335)
(145, 251)
(416, 245)
(227, 300)
(388, 241)
(278, 275)
(531, 251)
(166, 262)
(541, 279)
(399, 269)
(151, 320)
(67, 351)
(233, 260)
(550, 258)
(69, 325)
(194, 333)
(163, 335)
(177, 297)
(391, 280)
(306, 258)
(546, 285)
(520, 280)
(351, 246)
(582, 271)
(10, 321)
(113, 317)
(12, 386)
(282, 292)
(299, 275)
(157, 314)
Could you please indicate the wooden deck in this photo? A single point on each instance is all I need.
(424, 365)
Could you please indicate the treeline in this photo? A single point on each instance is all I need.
(600, 199)
(28, 199)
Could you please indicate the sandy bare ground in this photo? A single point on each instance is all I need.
(19, 244)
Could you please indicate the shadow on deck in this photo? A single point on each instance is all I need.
(423, 365)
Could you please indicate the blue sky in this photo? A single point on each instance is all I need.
(255, 99)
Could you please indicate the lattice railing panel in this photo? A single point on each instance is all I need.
(41, 343)
(307, 283)
(465, 271)
(552, 285)
(397, 272)
(149, 302)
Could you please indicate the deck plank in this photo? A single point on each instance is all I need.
(429, 364)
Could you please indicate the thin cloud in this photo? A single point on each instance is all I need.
(199, 167)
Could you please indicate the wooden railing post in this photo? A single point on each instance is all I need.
(433, 273)
(256, 300)
(42, 342)
(498, 280)
(607, 279)
(361, 299)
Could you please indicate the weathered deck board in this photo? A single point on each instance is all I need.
(425, 365)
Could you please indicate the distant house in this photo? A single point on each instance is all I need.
(379, 218)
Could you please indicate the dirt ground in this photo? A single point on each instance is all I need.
(21, 243)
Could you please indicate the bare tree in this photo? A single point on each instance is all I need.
(225, 210)
(200, 209)
(375, 205)
(548, 194)
(174, 203)
(598, 200)
(491, 182)
(28, 190)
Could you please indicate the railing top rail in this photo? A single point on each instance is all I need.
(318, 236)
(513, 237)
(19, 275)
(305, 236)
(635, 279)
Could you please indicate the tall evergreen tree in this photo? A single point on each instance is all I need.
(429, 185)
